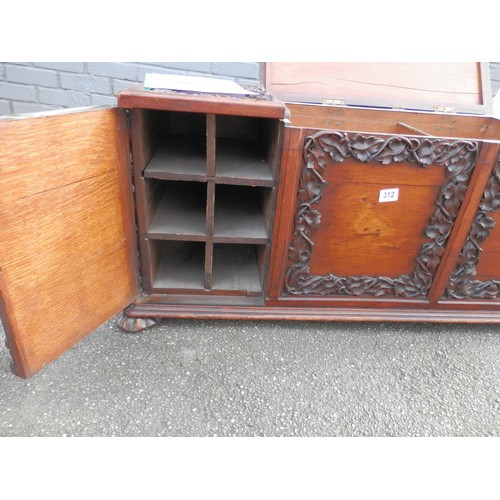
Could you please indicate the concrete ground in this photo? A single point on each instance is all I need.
(230, 378)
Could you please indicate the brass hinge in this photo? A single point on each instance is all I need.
(333, 102)
(444, 109)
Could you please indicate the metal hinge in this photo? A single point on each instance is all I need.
(444, 109)
(333, 102)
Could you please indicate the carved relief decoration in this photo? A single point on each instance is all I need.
(461, 285)
(324, 149)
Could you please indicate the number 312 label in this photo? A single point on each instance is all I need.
(387, 195)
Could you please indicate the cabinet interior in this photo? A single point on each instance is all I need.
(208, 187)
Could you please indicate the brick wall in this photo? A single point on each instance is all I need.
(33, 87)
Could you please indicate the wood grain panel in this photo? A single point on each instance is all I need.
(409, 85)
(488, 266)
(360, 236)
(386, 121)
(264, 107)
(67, 253)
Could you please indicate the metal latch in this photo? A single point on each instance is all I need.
(444, 109)
(333, 102)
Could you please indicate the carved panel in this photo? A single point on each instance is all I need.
(461, 284)
(321, 151)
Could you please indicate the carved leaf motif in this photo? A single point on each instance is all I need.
(461, 285)
(320, 151)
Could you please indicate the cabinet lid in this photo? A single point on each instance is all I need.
(448, 87)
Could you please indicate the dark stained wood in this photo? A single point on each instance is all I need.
(323, 150)
(239, 215)
(311, 313)
(209, 248)
(179, 158)
(235, 268)
(185, 102)
(181, 266)
(291, 163)
(423, 86)
(271, 133)
(180, 213)
(147, 193)
(67, 231)
(211, 144)
(213, 299)
(480, 176)
(385, 121)
(242, 162)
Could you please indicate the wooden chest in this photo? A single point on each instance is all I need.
(324, 208)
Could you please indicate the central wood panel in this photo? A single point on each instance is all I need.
(360, 235)
(432, 175)
(488, 266)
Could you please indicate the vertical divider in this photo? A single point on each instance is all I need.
(211, 142)
(209, 248)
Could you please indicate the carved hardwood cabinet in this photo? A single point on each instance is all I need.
(314, 200)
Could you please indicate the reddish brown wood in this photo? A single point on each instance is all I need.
(211, 145)
(209, 248)
(360, 236)
(147, 194)
(304, 313)
(223, 105)
(403, 128)
(383, 121)
(408, 85)
(470, 279)
(325, 150)
(134, 324)
(67, 231)
(291, 162)
(464, 219)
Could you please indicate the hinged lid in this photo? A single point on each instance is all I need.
(463, 87)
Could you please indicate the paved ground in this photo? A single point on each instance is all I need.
(215, 378)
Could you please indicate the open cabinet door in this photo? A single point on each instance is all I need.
(67, 232)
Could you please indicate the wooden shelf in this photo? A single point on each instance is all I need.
(179, 157)
(235, 268)
(241, 162)
(180, 213)
(181, 266)
(239, 215)
(208, 183)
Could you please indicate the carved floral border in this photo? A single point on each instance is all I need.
(326, 148)
(461, 284)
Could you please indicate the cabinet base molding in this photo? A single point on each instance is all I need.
(145, 310)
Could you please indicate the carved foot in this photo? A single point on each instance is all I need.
(134, 325)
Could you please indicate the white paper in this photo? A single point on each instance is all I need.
(387, 195)
(193, 84)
